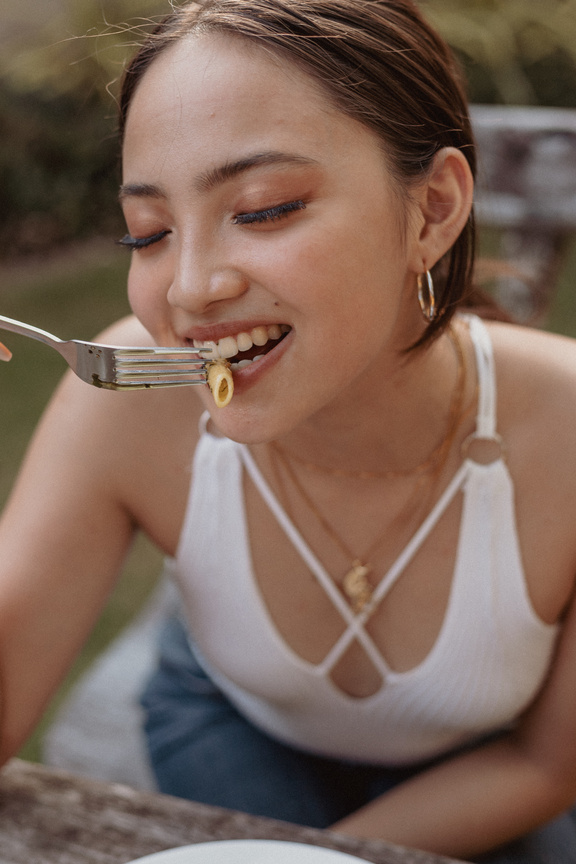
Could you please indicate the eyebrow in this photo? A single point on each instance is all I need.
(207, 180)
(216, 176)
(140, 190)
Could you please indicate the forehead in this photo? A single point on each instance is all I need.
(215, 95)
(211, 70)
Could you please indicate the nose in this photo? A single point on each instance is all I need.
(202, 278)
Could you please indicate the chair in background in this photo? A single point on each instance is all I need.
(527, 191)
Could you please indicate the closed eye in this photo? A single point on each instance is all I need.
(271, 214)
(130, 242)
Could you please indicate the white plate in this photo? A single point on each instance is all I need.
(249, 852)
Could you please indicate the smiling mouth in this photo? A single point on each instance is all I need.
(244, 348)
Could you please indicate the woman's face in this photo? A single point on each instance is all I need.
(259, 211)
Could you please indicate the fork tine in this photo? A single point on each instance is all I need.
(127, 362)
(158, 367)
(191, 353)
(158, 358)
(139, 378)
(139, 372)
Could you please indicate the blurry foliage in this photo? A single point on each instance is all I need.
(516, 52)
(59, 165)
(58, 170)
(82, 48)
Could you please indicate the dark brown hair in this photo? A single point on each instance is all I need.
(379, 62)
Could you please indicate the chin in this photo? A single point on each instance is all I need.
(249, 425)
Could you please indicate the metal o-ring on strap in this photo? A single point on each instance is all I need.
(488, 449)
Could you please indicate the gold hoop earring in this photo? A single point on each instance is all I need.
(426, 297)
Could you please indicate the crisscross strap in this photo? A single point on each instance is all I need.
(485, 428)
(356, 623)
(309, 557)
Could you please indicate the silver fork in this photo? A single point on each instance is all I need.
(116, 368)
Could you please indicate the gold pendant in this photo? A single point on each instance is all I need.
(356, 586)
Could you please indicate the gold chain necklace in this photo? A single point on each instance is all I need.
(437, 456)
(355, 584)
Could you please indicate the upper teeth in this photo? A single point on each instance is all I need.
(229, 346)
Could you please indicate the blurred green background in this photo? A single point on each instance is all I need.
(59, 170)
(60, 61)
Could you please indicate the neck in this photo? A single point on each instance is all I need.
(392, 421)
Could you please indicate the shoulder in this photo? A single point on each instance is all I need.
(129, 432)
(536, 386)
(537, 352)
(535, 370)
(132, 449)
(126, 331)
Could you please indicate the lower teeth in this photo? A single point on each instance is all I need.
(242, 363)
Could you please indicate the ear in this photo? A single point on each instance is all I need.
(444, 204)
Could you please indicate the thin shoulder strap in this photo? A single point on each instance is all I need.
(486, 418)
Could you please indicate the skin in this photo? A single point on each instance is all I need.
(209, 277)
(341, 273)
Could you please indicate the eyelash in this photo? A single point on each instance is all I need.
(269, 215)
(130, 242)
(257, 216)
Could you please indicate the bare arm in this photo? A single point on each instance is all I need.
(91, 475)
(474, 802)
(63, 536)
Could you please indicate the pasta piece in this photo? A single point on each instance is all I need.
(220, 381)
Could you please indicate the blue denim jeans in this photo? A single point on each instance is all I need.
(202, 749)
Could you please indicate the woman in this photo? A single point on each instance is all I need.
(376, 555)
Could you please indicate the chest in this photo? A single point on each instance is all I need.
(409, 615)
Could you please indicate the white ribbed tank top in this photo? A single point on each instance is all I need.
(487, 663)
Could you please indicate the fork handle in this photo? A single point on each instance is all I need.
(28, 330)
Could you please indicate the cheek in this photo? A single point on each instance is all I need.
(147, 296)
(310, 264)
(348, 272)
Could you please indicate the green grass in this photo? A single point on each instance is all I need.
(76, 300)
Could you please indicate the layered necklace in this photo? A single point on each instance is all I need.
(355, 584)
